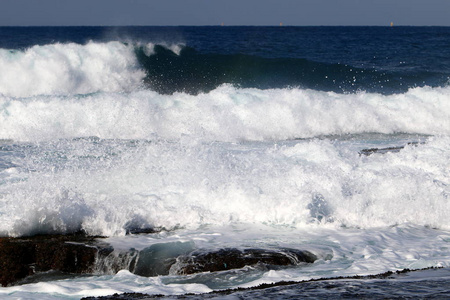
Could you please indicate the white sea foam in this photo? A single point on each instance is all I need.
(224, 114)
(185, 168)
(69, 69)
(101, 186)
(122, 282)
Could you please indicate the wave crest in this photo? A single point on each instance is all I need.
(69, 69)
(225, 114)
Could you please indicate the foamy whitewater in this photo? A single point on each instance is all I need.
(88, 142)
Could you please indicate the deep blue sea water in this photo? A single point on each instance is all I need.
(228, 137)
(341, 59)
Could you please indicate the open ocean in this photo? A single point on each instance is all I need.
(331, 140)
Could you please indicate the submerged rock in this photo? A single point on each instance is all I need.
(231, 258)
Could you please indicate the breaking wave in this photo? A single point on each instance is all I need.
(70, 69)
(224, 114)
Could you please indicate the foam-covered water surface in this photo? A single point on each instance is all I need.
(224, 114)
(189, 183)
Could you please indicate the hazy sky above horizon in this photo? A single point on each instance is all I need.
(230, 12)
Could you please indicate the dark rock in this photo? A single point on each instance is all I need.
(21, 257)
(144, 230)
(126, 296)
(15, 260)
(231, 258)
(370, 151)
(28, 258)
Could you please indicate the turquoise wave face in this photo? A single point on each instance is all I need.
(194, 72)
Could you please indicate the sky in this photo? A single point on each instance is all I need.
(229, 12)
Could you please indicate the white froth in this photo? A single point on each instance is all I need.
(225, 114)
(100, 186)
(122, 282)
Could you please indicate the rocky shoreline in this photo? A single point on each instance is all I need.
(26, 256)
(50, 257)
(388, 285)
(77, 254)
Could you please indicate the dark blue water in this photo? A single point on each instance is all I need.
(427, 284)
(385, 60)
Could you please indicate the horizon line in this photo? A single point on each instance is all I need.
(220, 25)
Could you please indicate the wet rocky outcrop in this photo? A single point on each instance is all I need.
(181, 258)
(25, 256)
(26, 259)
(231, 258)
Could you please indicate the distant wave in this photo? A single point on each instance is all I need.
(70, 69)
(225, 114)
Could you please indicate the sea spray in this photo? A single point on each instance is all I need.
(189, 184)
(69, 69)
